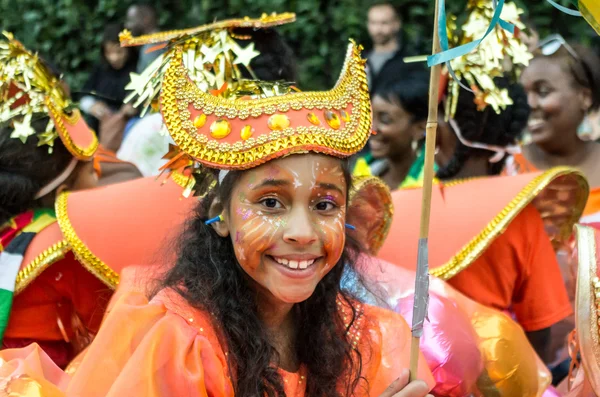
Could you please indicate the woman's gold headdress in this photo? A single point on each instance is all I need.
(28, 87)
(500, 53)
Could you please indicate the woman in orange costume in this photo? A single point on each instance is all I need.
(518, 271)
(253, 305)
(45, 148)
(563, 87)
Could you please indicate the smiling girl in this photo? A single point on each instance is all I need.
(253, 305)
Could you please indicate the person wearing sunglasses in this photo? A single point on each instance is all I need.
(562, 83)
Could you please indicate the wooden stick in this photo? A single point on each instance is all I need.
(431, 129)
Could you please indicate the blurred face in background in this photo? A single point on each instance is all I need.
(115, 55)
(135, 21)
(395, 129)
(383, 24)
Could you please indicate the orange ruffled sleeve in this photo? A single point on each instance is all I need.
(166, 348)
(143, 349)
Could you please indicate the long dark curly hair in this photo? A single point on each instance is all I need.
(487, 126)
(209, 277)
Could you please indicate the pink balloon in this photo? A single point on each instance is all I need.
(449, 344)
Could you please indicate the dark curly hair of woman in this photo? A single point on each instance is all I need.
(26, 167)
(209, 277)
(488, 127)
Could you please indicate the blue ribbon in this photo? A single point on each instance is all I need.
(448, 54)
(566, 10)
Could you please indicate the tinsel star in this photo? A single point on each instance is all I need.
(210, 53)
(245, 55)
(137, 83)
(23, 129)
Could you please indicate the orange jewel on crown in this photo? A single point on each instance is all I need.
(345, 116)
(199, 121)
(313, 119)
(247, 132)
(220, 128)
(278, 122)
(332, 119)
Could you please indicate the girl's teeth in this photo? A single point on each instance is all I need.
(294, 264)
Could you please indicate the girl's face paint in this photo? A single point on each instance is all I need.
(286, 221)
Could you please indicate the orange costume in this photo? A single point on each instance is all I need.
(494, 248)
(518, 164)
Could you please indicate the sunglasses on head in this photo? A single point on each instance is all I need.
(551, 44)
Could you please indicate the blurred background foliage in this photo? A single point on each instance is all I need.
(67, 32)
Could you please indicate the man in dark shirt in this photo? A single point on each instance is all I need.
(386, 57)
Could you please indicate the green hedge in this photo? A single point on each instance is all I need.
(68, 31)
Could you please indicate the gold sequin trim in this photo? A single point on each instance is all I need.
(59, 119)
(83, 254)
(587, 304)
(265, 21)
(474, 248)
(179, 92)
(39, 264)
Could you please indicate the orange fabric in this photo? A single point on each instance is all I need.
(138, 229)
(30, 372)
(165, 347)
(456, 218)
(518, 164)
(104, 155)
(63, 288)
(519, 274)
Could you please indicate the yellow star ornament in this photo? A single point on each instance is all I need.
(245, 55)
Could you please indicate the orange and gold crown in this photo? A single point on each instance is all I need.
(246, 131)
(27, 88)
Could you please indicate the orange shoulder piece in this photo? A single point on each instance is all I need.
(106, 237)
(470, 214)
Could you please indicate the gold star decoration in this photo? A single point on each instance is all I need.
(210, 53)
(137, 83)
(23, 129)
(245, 55)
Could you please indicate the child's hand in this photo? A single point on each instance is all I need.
(402, 388)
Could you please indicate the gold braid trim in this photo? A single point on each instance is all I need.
(83, 254)
(30, 272)
(587, 300)
(474, 248)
